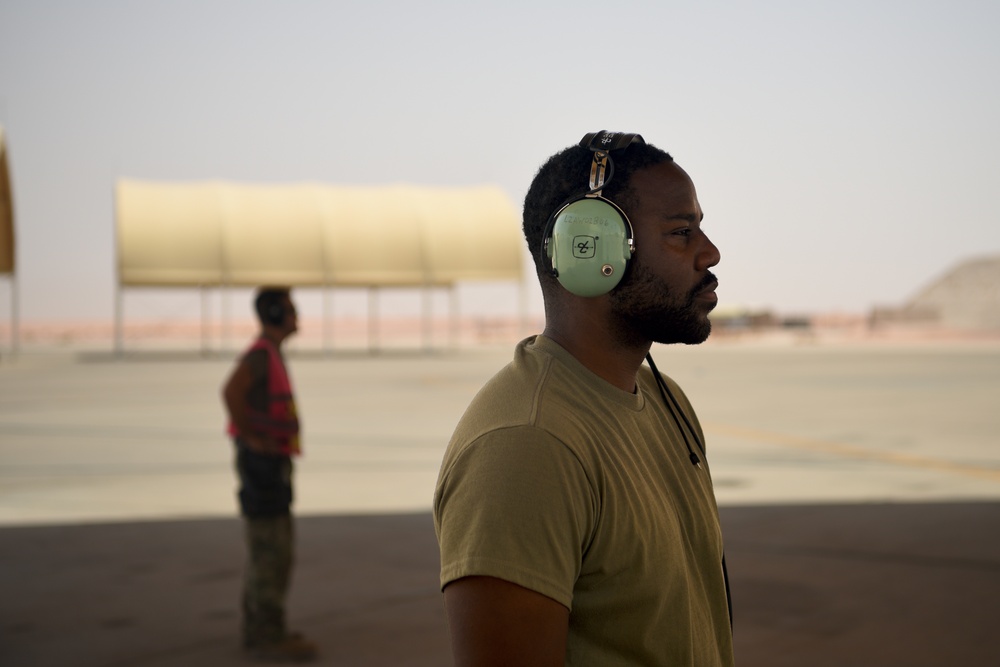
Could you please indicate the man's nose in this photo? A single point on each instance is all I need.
(709, 255)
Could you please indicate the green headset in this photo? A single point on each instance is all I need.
(588, 241)
(275, 313)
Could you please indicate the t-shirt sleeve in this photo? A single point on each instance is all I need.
(516, 504)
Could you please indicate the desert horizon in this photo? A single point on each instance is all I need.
(352, 333)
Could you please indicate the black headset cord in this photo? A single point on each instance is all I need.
(673, 407)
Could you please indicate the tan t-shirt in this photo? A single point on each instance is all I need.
(562, 483)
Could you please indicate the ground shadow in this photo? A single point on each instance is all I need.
(894, 585)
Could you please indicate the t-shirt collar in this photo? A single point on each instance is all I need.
(606, 390)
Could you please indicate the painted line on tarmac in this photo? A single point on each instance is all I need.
(853, 452)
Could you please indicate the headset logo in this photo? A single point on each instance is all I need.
(606, 139)
(584, 247)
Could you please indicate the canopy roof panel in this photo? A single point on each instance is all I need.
(373, 236)
(467, 235)
(271, 236)
(216, 233)
(169, 234)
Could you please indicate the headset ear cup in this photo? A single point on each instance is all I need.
(276, 314)
(590, 246)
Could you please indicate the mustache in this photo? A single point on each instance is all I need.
(708, 281)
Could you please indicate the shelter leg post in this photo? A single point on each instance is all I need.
(225, 308)
(119, 314)
(15, 317)
(204, 322)
(425, 318)
(455, 321)
(325, 327)
(373, 329)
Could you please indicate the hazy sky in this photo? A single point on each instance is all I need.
(845, 152)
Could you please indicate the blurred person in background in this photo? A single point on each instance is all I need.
(264, 425)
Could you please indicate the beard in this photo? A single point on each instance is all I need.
(648, 309)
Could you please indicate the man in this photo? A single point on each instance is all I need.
(574, 509)
(265, 428)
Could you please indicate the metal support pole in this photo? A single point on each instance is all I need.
(226, 313)
(425, 317)
(204, 323)
(15, 316)
(119, 316)
(455, 324)
(325, 327)
(373, 329)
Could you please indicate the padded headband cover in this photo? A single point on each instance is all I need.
(610, 141)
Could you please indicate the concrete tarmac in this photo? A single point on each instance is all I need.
(859, 490)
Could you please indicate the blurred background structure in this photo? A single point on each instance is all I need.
(7, 252)
(221, 235)
(966, 297)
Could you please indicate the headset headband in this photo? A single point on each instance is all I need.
(603, 167)
(610, 141)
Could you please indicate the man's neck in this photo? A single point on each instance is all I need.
(599, 350)
(274, 336)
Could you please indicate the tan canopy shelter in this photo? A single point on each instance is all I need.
(219, 234)
(7, 263)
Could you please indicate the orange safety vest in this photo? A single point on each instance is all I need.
(280, 420)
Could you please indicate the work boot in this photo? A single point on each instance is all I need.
(293, 647)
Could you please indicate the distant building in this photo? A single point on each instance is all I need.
(740, 319)
(965, 297)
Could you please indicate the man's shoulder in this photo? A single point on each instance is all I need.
(257, 359)
(509, 394)
(536, 391)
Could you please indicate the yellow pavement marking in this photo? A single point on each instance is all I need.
(854, 452)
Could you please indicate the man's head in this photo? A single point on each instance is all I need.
(275, 310)
(667, 290)
(565, 176)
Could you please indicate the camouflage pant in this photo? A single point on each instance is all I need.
(269, 568)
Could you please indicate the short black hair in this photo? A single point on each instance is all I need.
(566, 175)
(268, 300)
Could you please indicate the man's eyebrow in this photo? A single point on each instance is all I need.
(689, 217)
